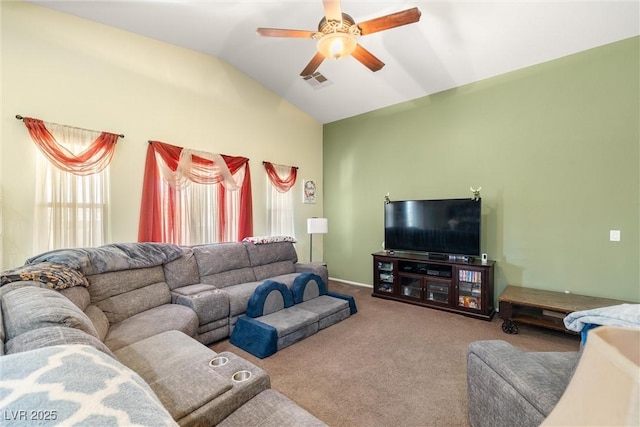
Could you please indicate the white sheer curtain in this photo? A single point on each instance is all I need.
(70, 210)
(280, 216)
(196, 207)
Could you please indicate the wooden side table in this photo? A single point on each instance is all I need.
(543, 308)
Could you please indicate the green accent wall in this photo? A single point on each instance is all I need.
(555, 148)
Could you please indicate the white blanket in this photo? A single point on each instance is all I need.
(627, 315)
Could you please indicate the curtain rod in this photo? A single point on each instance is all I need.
(19, 117)
(295, 167)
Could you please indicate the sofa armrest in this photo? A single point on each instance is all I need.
(209, 303)
(508, 387)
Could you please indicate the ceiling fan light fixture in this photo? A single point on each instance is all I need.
(337, 45)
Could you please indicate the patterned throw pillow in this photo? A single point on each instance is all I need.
(55, 276)
(75, 385)
(260, 240)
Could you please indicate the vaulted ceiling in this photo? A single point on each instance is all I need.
(455, 42)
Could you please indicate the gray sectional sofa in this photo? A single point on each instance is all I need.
(117, 334)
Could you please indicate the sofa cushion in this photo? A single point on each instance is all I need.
(164, 318)
(77, 385)
(123, 306)
(77, 295)
(122, 294)
(107, 285)
(182, 271)
(270, 253)
(223, 264)
(29, 307)
(325, 306)
(53, 335)
(289, 320)
(286, 279)
(229, 278)
(219, 257)
(277, 268)
(239, 297)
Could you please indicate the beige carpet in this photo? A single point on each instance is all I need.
(391, 364)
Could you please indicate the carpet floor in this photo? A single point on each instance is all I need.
(390, 364)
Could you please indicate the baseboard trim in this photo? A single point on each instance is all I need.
(349, 282)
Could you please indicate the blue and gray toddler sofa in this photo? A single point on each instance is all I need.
(278, 316)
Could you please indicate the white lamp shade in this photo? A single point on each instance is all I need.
(605, 388)
(317, 225)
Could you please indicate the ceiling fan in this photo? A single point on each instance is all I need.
(337, 34)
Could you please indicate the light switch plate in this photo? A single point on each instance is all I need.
(614, 235)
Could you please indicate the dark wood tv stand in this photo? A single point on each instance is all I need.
(455, 285)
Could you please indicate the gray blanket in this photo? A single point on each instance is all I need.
(112, 257)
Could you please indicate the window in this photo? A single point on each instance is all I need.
(191, 197)
(280, 215)
(70, 210)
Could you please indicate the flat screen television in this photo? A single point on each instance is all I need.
(448, 226)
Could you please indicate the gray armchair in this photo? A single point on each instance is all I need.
(509, 387)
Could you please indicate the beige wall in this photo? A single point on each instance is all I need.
(555, 148)
(67, 70)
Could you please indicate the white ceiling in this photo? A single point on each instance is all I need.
(455, 42)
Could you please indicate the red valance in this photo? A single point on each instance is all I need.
(281, 184)
(92, 160)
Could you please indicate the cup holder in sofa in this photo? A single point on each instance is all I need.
(241, 376)
(218, 361)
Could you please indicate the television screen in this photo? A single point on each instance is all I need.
(449, 226)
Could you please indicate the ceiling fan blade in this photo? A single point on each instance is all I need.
(393, 20)
(332, 10)
(279, 32)
(367, 58)
(313, 64)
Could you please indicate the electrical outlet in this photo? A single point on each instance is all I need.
(614, 235)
